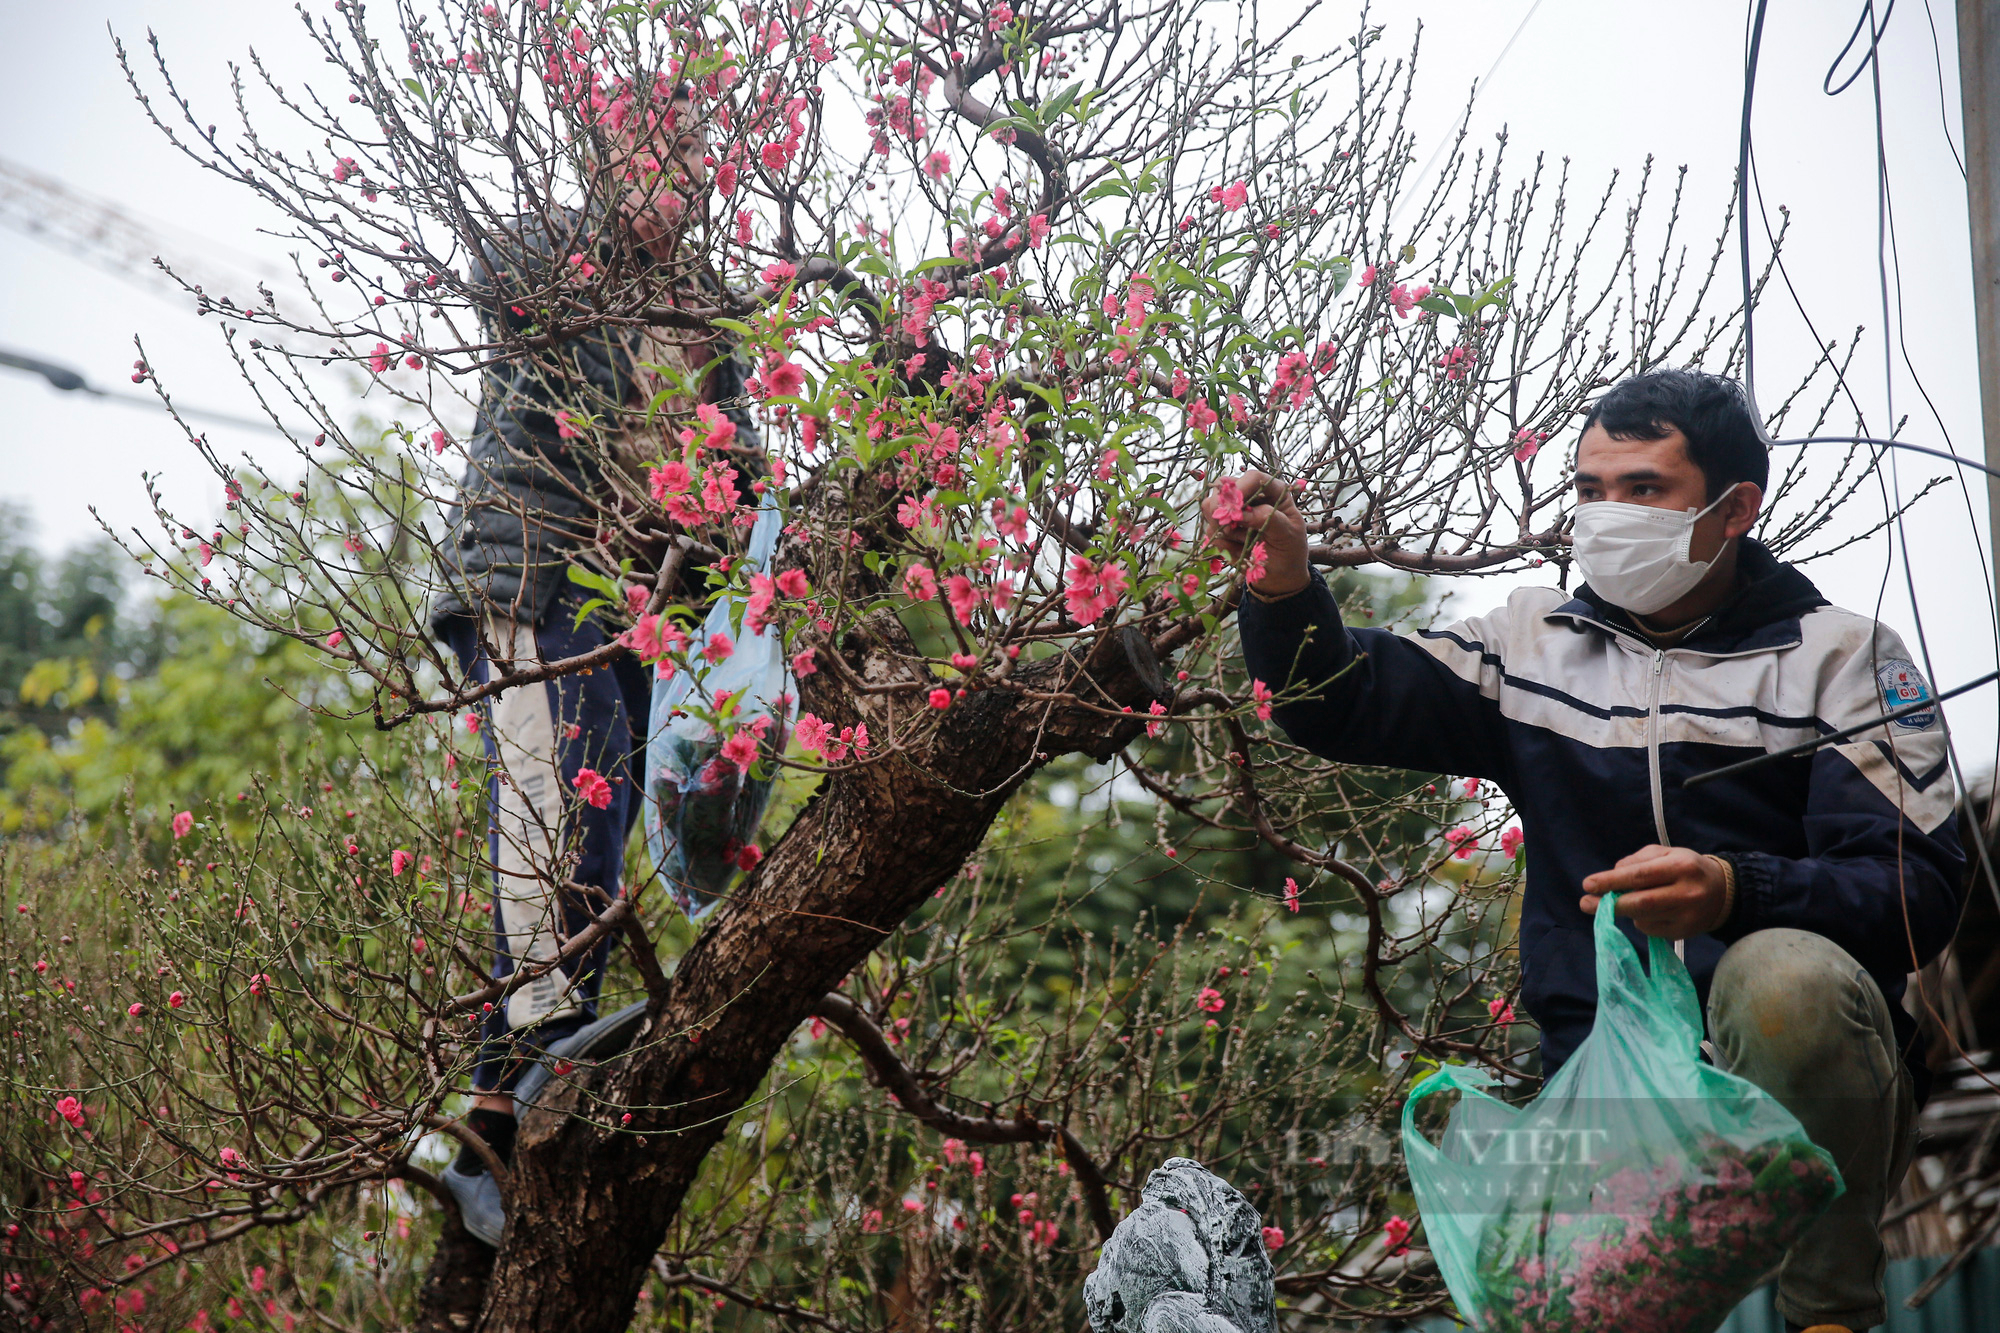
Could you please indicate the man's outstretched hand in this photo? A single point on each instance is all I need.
(1268, 514)
(1669, 892)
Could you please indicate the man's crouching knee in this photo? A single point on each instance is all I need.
(1784, 1001)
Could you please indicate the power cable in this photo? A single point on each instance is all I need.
(1884, 250)
(1834, 737)
(1464, 115)
(1798, 304)
(1884, 247)
(70, 381)
(1887, 258)
(1944, 111)
(1867, 61)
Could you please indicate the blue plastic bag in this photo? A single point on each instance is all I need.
(702, 811)
(1643, 1191)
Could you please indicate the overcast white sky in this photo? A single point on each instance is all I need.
(1603, 84)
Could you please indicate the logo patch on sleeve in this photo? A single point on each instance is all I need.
(1902, 685)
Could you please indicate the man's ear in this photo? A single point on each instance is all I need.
(1740, 510)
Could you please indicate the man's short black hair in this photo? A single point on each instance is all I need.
(1711, 411)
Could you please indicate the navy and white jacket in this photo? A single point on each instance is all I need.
(1589, 729)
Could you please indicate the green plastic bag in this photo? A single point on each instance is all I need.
(1643, 1191)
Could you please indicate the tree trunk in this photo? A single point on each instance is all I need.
(455, 1287)
(592, 1202)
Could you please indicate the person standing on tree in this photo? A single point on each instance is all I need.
(1801, 893)
(556, 475)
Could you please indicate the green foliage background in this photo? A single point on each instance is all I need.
(118, 708)
(106, 691)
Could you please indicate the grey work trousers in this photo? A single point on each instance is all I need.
(1793, 1013)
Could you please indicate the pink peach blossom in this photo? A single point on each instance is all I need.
(592, 788)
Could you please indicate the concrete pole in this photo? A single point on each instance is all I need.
(1979, 95)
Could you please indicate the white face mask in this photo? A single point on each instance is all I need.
(1635, 556)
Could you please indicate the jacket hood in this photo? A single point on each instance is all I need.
(1763, 612)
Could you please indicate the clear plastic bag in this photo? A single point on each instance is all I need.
(702, 811)
(1643, 1191)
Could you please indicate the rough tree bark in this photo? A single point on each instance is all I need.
(591, 1204)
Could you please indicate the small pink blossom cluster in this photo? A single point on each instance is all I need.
(1042, 1232)
(1092, 589)
(818, 736)
(657, 640)
(1404, 298)
(1292, 385)
(899, 113)
(1228, 503)
(743, 744)
(592, 788)
(673, 483)
(764, 590)
(956, 1153)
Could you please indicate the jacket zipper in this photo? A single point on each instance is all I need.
(1653, 769)
(1653, 751)
(1653, 739)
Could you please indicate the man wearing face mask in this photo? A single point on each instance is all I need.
(1801, 893)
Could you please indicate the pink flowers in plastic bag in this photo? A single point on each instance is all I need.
(1662, 1251)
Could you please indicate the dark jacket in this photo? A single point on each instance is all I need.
(1589, 729)
(526, 499)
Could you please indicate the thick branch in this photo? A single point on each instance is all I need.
(909, 1093)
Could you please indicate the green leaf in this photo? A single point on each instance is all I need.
(1495, 293)
(592, 579)
(1437, 305)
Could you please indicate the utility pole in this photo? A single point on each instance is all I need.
(1979, 98)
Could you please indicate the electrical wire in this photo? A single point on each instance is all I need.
(1884, 245)
(1867, 61)
(70, 381)
(1747, 170)
(1885, 249)
(1887, 242)
(1464, 115)
(1944, 112)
